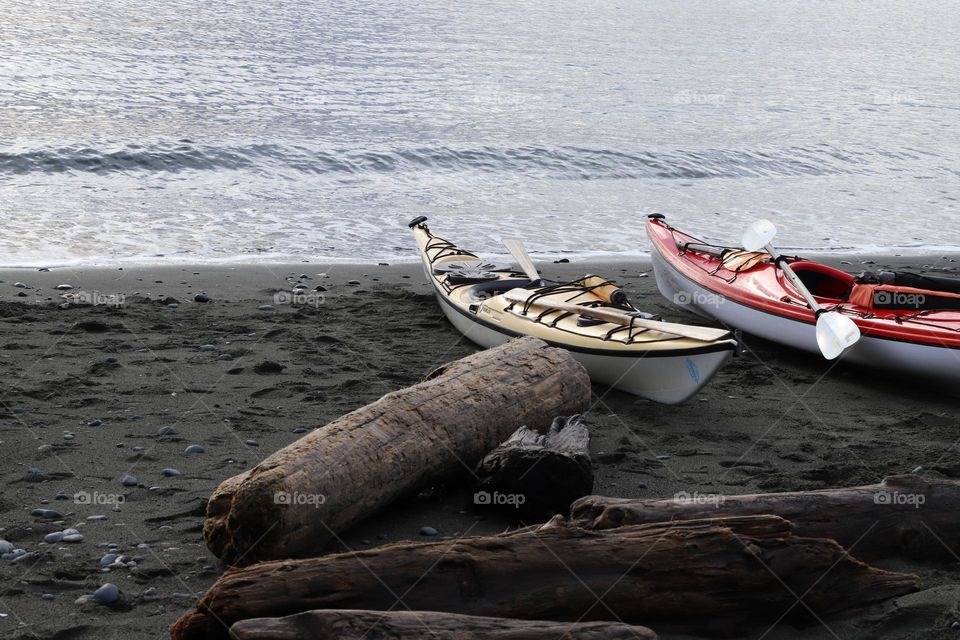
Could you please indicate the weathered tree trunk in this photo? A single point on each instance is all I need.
(339, 624)
(705, 575)
(296, 500)
(910, 515)
(536, 475)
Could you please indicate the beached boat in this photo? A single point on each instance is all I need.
(490, 303)
(908, 323)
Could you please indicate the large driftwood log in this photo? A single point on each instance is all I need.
(700, 575)
(910, 515)
(414, 625)
(538, 475)
(296, 500)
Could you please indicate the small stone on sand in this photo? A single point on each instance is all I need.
(46, 514)
(13, 554)
(107, 593)
(268, 366)
(53, 538)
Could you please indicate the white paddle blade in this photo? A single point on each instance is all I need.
(759, 235)
(519, 253)
(835, 334)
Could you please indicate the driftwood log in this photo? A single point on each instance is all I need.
(698, 575)
(536, 475)
(296, 500)
(912, 516)
(414, 625)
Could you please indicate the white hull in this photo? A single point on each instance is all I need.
(942, 363)
(665, 379)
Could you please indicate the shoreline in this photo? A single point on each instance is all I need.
(929, 255)
(565, 265)
(90, 389)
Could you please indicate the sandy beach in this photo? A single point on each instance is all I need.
(124, 407)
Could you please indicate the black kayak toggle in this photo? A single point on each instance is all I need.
(416, 221)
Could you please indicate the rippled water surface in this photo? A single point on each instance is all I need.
(222, 130)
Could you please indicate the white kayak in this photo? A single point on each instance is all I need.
(479, 299)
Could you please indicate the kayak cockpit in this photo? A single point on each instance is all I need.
(888, 291)
(823, 281)
(486, 290)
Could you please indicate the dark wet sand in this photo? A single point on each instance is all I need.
(772, 420)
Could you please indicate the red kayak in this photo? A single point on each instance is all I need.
(909, 323)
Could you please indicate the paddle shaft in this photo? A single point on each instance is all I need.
(704, 334)
(793, 277)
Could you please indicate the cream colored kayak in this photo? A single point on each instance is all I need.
(645, 362)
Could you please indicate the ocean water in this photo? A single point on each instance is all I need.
(255, 131)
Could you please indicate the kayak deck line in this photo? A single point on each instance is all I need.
(552, 317)
(660, 353)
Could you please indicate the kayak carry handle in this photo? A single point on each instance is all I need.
(416, 221)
